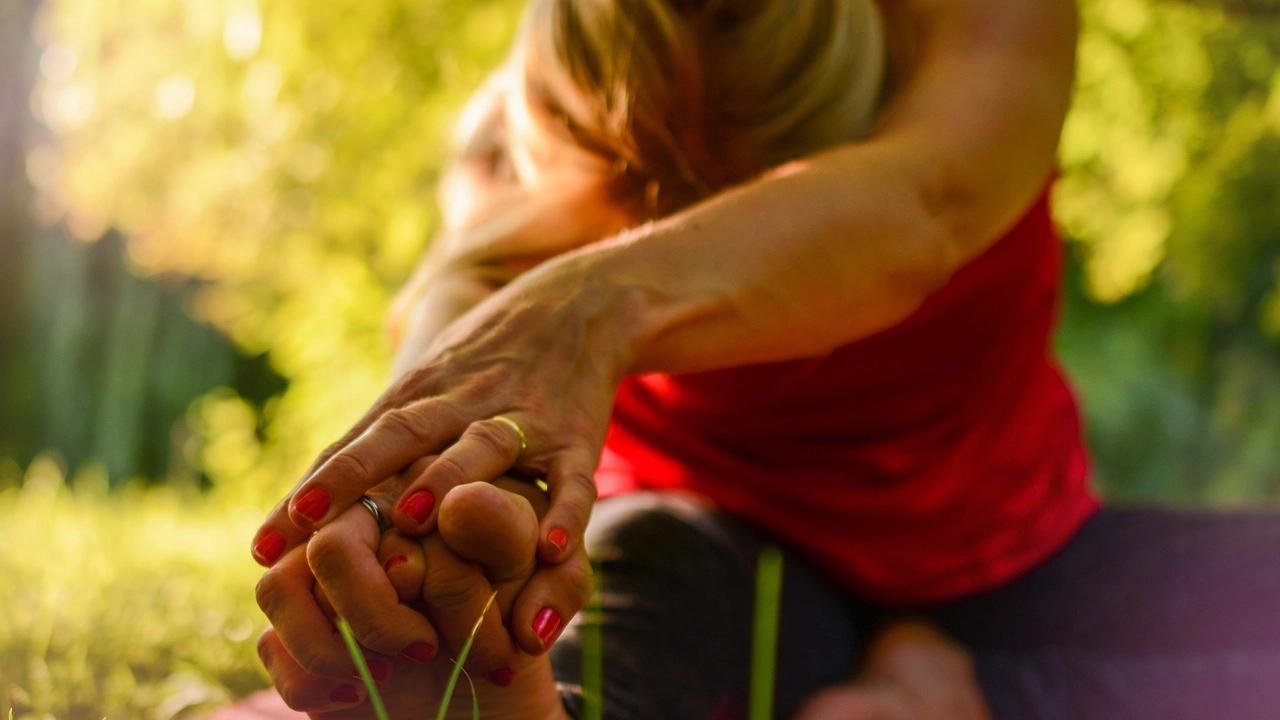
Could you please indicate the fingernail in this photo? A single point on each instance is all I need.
(418, 505)
(268, 548)
(419, 652)
(312, 504)
(394, 561)
(545, 625)
(558, 537)
(378, 670)
(344, 694)
(501, 678)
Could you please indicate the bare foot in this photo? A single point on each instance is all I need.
(912, 672)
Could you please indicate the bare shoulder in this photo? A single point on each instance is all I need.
(922, 32)
(979, 91)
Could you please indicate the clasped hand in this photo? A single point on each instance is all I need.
(546, 351)
(413, 602)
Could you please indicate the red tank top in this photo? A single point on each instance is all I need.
(934, 459)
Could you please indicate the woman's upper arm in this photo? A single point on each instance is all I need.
(978, 114)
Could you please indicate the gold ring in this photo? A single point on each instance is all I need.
(514, 426)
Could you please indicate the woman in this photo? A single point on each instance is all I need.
(728, 261)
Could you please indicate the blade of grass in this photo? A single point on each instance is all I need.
(457, 665)
(592, 647)
(363, 668)
(475, 699)
(764, 637)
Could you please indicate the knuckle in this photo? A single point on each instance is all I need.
(419, 381)
(485, 658)
(581, 579)
(487, 383)
(402, 422)
(379, 636)
(583, 488)
(324, 552)
(450, 585)
(315, 662)
(264, 646)
(577, 507)
(495, 437)
(448, 471)
(348, 464)
(267, 593)
(292, 696)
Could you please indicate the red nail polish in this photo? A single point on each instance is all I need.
(502, 678)
(394, 561)
(558, 537)
(344, 694)
(419, 652)
(268, 547)
(312, 504)
(545, 625)
(418, 505)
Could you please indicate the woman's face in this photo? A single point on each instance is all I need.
(542, 156)
(513, 165)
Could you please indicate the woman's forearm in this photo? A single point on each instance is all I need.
(841, 245)
(792, 266)
(441, 301)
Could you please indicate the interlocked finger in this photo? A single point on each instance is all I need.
(300, 689)
(285, 594)
(486, 449)
(456, 594)
(397, 438)
(344, 558)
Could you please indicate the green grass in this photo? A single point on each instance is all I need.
(129, 605)
(764, 638)
(139, 603)
(457, 669)
(591, 642)
(362, 668)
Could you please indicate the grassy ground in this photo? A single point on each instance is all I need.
(137, 604)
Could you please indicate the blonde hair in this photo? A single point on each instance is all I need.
(684, 97)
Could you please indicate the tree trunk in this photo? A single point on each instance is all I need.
(17, 75)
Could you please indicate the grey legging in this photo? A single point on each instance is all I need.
(1146, 615)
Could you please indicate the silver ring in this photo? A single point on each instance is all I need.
(384, 524)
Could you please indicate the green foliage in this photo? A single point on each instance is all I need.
(134, 604)
(1171, 194)
(284, 153)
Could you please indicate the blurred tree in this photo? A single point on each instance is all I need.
(283, 153)
(1171, 191)
(111, 362)
(17, 56)
(95, 363)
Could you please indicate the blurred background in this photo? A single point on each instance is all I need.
(206, 205)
